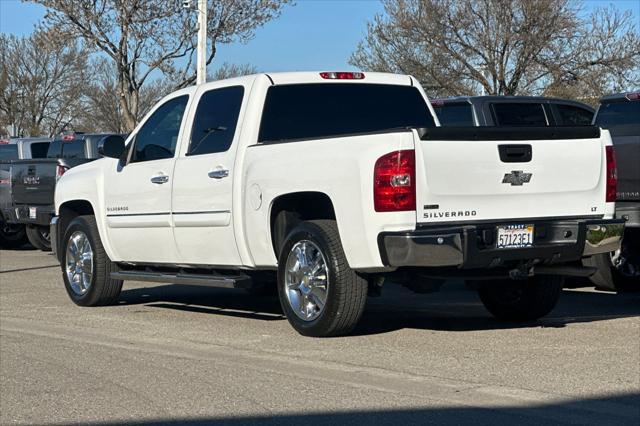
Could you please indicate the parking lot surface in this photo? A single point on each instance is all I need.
(177, 354)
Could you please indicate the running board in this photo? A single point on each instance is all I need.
(220, 281)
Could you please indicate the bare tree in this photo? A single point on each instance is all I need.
(42, 82)
(145, 38)
(103, 112)
(227, 70)
(458, 47)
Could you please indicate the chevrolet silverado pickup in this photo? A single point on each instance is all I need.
(328, 185)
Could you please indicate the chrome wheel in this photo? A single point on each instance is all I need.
(79, 263)
(306, 280)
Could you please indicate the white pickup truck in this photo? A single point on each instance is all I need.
(330, 184)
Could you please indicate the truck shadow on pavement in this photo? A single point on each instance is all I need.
(622, 409)
(453, 309)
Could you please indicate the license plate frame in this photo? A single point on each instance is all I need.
(514, 236)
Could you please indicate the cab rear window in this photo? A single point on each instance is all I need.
(308, 111)
(620, 118)
(67, 149)
(454, 114)
(519, 114)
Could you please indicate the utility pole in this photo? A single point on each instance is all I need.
(201, 76)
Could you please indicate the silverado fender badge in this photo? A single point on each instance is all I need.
(516, 178)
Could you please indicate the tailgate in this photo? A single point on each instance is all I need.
(476, 174)
(33, 182)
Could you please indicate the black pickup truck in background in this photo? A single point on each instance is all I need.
(13, 235)
(620, 114)
(462, 111)
(33, 183)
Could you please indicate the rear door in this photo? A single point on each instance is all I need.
(506, 173)
(202, 184)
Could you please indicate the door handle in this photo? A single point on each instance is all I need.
(159, 179)
(218, 173)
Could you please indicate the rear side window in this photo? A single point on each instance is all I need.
(215, 122)
(519, 114)
(620, 118)
(457, 115)
(9, 152)
(39, 149)
(571, 115)
(67, 149)
(307, 111)
(158, 136)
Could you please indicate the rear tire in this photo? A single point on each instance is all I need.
(521, 300)
(622, 276)
(12, 236)
(94, 286)
(39, 237)
(313, 271)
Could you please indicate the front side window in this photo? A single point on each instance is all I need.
(519, 114)
(215, 122)
(158, 136)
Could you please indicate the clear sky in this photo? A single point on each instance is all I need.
(312, 35)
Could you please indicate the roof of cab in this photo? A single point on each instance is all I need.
(301, 77)
(624, 96)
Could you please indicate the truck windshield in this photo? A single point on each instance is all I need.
(9, 152)
(620, 118)
(307, 111)
(454, 114)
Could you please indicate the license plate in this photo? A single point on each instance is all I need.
(32, 212)
(515, 236)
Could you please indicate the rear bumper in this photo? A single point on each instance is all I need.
(473, 246)
(33, 215)
(630, 212)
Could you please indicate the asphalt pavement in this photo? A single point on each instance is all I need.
(169, 354)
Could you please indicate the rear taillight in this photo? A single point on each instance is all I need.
(394, 182)
(60, 170)
(612, 175)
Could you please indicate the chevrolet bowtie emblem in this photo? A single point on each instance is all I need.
(516, 178)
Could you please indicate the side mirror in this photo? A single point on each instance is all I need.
(111, 146)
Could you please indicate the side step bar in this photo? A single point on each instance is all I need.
(220, 281)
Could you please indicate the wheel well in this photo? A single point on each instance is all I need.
(290, 209)
(72, 209)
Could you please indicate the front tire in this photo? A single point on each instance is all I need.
(39, 237)
(525, 300)
(319, 293)
(86, 268)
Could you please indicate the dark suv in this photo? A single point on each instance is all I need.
(511, 111)
(620, 114)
